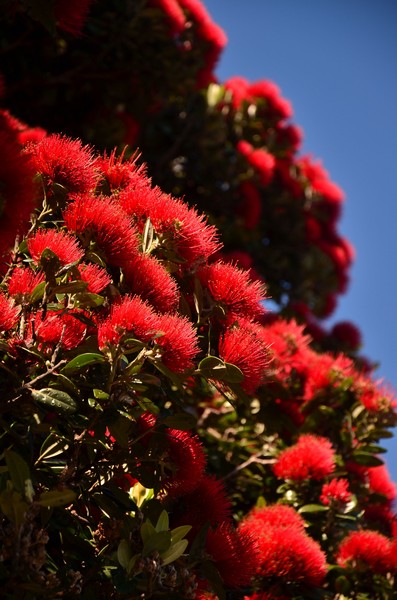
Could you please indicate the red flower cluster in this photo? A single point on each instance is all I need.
(312, 457)
(366, 551)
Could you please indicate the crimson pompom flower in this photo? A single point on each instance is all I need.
(241, 346)
(207, 503)
(8, 313)
(65, 246)
(380, 482)
(61, 160)
(312, 457)
(178, 345)
(365, 550)
(71, 14)
(284, 550)
(335, 492)
(96, 277)
(109, 225)
(186, 462)
(146, 276)
(238, 87)
(16, 185)
(175, 16)
(233, 552)
(131, 316)
(375, 397)
(270, 92)
(260, 159)
(65, 329)
(251, 207)
(119, 173)
(347, 333)
(231, 287)
(22, 283)
(181, 229)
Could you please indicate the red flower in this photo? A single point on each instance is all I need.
(233, 552)
(335, 492)
(186, 462)
(178, 345)
(175, 15)
(95, 276)
(380, 482)
(231, 288)
(182, 229)
(242, 347)
(206, 503)
(8, 313)
(261, 160)
(71, 14)
(107, 223)
(66, 247)
(56, 328)
(251, 207)
(347, 333)
(312, 457)
(366, 550)
(119, 173)
(16, 185)
(284, 550)
(270, 92)
(61, 160)
(22, 283)
(132, 316)
(147, 277)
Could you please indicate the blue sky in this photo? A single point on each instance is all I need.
(335, 61)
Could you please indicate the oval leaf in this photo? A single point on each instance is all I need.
(83, 360)
(56, 498)
(18, 470)
(55, 399)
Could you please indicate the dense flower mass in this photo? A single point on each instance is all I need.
(312, 457)
(366, 550)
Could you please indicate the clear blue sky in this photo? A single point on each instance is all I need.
(336, 61)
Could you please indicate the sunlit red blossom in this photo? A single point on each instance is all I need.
(16, 186)
(175, 15)
(65, 246)
(336, 491)
(318, 177)
(183, 229)
(8, 313)
(243, 348)
(55, 328)
(146, 276)
(261, 160)
(71, 14)
(286, 338)
(207, 503)
(312, 457)
(24, 133)
(380, 517)
(22, 283)
(276, 515)
(64, 161)
(290, 136)
(119, 173)
(185, 460)
(347, 333)
(365, 550)
(231, 287)
(96, 277)
(237, 88)
(326, 370)
(380, 482)
(270, 92)
(233, 552)
(251, 207)
(106, 222)
(284, 552)
(373, 395)
(131, 316)
(178, 345)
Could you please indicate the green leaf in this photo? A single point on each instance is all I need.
(213, 367)
(38, 292)
(173, 377)
(163, 523)
(174, 552)
(18, 470)
(55, 399)
(89, 300)
(71, 287)
(367, 459)
(147, 237)
(51, 447)
(209, 363)
(81, 361)
(312, 508)
(183, 420)
(56, 498)
(147, 530)
(13, 507)
(160, 542)
(120, 428)
(124, 554)
(211, 573)
(179, 533)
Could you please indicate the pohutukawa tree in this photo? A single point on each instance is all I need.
(164, 435)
